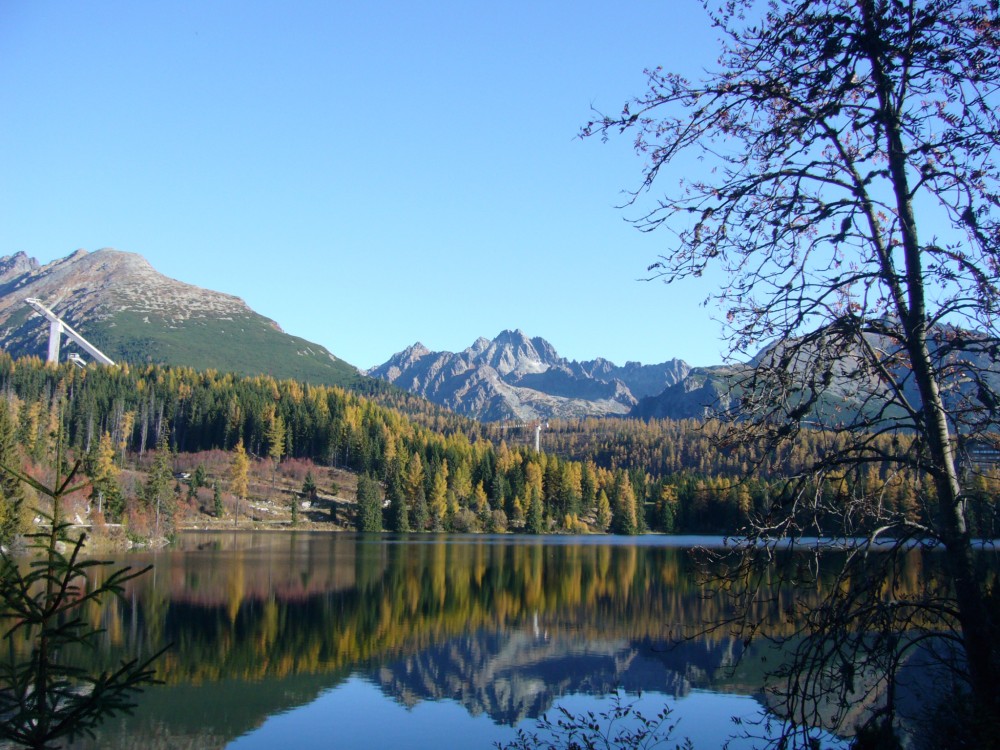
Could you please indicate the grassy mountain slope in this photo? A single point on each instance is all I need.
(250, 345)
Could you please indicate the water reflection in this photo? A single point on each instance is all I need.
(262, 623)
(265, 606)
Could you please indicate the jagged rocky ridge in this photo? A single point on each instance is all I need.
(122, 305)
(520, 674)
(521, 378)
(517, 377)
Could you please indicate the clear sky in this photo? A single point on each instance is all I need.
(368, 174)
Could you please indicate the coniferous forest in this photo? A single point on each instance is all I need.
(426, 468)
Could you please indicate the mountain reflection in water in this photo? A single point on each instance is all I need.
(263, 623)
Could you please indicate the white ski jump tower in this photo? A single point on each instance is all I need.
(57, 327)
(536, 425)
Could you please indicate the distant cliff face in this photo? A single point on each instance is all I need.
(133, 313)
(517, 377)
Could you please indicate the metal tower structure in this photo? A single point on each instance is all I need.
(57, 327)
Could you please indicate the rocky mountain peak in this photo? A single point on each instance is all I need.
(514, 352)
(516, 376)
(405, 359)
(15, 265)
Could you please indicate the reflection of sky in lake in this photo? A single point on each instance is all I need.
(301, 640)
(356, 714)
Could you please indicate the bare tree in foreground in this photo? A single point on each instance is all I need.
(849, 191)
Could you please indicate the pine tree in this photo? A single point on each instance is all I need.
(369, 506)
(217, 500)
(309, 487)
(415, 494)
(157, 492)
(623, 518)
(420, 515)
(199, 479)
(399, 516)
(570, 489)
(666, 515)
(498, 490)
(535, 523)
(47, 607)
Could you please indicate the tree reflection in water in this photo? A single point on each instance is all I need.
(505, 626)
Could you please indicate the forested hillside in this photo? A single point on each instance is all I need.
(435, 470)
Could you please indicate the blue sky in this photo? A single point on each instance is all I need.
(366, 174)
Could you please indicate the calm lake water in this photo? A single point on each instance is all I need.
(335, 640)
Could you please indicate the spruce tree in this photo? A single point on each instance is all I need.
(666, 517)
(535, 523)
(420, 515)
(51, 698)
(623, 516)
(369, 506)
(157, 492)
(199, 479)
(399, 516)
(309, 487)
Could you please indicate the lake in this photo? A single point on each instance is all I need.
(312, 640)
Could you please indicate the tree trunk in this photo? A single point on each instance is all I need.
(980, 649)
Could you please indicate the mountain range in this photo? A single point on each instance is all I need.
(134, 314)
(514, 377)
